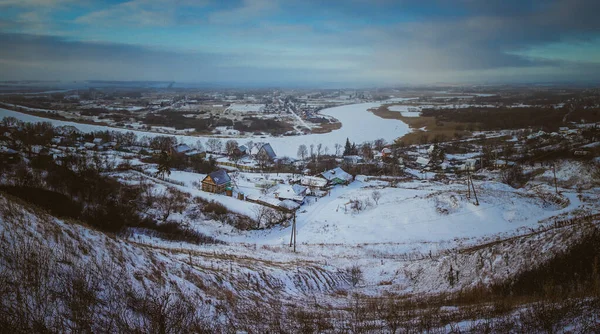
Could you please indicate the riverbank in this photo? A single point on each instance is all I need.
(424, 129)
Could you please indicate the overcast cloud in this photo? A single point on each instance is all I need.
(265, 42)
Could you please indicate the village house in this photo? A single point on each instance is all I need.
(313, 183)
(216, 182)
(336, 176)
(89, 146)
(353, 159)
(110, 145)
(265, 152)
(180, 149)
(8, 155)
(294, 192)
(423, 162)
(386, 153)
(470, 165)
(241, 150)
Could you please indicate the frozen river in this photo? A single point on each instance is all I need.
(358, 125)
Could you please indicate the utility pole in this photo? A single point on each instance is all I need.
(293, 236)
(468, 183)
(554, 171)
(474, 193)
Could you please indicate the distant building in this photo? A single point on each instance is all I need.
(386, 153)
(242, 150)
(422, 162)
(353, 159)
(66, 130)
(8, 155)
(470, 165)
(180, 149)
(216, 182)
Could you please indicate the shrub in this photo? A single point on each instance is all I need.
(514, 176)
(215, 207)
(355, 274)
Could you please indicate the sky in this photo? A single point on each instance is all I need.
(302, 42)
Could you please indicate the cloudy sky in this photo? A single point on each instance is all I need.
(301, 42)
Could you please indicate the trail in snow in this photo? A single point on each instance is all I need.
(298, 118)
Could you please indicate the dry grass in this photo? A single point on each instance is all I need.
(327, 127)
(449, 130)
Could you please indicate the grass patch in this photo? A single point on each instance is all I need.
(327, 127)
(436, 130)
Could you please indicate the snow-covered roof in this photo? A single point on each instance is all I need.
(298, 189)
(181, 148)
(285, 191)
(337, 173)
(7, 150)
(220, 176)
(386, 150)
(243, 148)
(422, 161)
(268, 150)
(312, 181)
(254, 150)
(353, 158)
(290, 205)
(66, 129)
(97, 141)
(193, 152)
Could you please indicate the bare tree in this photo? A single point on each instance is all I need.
(338, 148)
(376, 195)
(266, 216)
(162, 143)
(169, 202)
(302, 152)
(214, 144)
(231, 147)
(164, 165)
(379, 144)
(366, 151)
(249, 145)
(319, 149)
(355, 274)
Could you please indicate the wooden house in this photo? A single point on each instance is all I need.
(216, 182)
(266, 153)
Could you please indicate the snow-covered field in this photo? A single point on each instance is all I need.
(411, 235)
(418, 215)
(358, 125)
(246, 107)
(415, 111)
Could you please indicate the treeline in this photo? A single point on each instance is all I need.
(268, 125)
(549, 119)
(179, 121)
